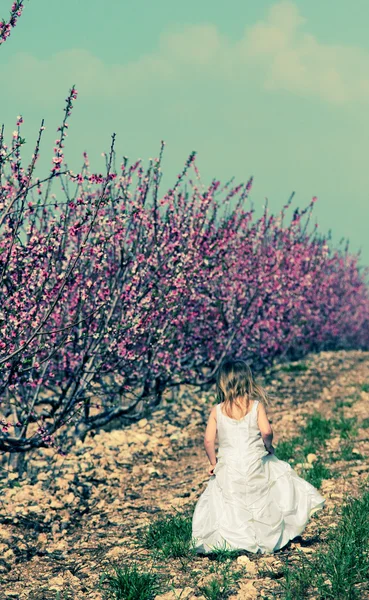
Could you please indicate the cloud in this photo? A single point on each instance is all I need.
(275, 51)
(297, 62)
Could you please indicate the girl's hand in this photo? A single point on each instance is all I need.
(211, 469)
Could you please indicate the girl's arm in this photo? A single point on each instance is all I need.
(209, 437)
(265, 427)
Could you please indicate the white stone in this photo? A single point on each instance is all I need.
(251, 566)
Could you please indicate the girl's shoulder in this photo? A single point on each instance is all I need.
(253, 404)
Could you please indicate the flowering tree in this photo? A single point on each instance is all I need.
(111, 293)
(6, 26)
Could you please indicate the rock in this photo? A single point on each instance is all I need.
(171, 429)
(142, 422)
(69, 498)
(9, 554)
(61, 545)
(71, 579)
(246, 591)
(115, 552)
(36, 509)
(55, 583)
(154, 471)
(24, 495)
(56, 504)
(311, 458)
(251, 567)
(143, 438)
(55, 528)
(267, 562)
(42, 538)
(5, 534)
(306, 549)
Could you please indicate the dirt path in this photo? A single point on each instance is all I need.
(70, 517)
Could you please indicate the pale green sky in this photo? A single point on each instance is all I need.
(278, 90)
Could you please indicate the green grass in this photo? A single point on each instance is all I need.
(312, 436)
(170, 536)
(342, 403)
(129, 583)
(223, 554)
(287, 450)
(317, 473)
(315, 433)
(365, 387)
(346, 452)
(346, 426)
(214, 590)
(220, 587)
(340, 568)
(295, 582)
(317, 429)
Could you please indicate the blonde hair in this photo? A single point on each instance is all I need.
(235, 381)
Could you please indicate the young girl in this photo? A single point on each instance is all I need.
(253, 501)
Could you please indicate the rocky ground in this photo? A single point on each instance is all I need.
(68, 519)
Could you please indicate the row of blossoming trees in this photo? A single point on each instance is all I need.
(111, 293)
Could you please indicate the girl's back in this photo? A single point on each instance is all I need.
(239, 437)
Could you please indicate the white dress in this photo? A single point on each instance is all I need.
(254, 501)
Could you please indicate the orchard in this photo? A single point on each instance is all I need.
(112, 292)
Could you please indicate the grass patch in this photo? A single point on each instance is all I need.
(129, 583)
(365, 387)
(317, 473)
(313, 435)
(340, 569)
(317, 429)
(346, 452)
(222, 555)
(347, 426)
(170, 536)
(294, 581)
(365, 423)
(214, 590)
(342, 403)
(311, 438)
(222, 584)
(287, 450)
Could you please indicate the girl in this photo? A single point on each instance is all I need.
(253, 501)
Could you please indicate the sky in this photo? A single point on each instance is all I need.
(274, 89)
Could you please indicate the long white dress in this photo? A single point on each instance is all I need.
(254, 501)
